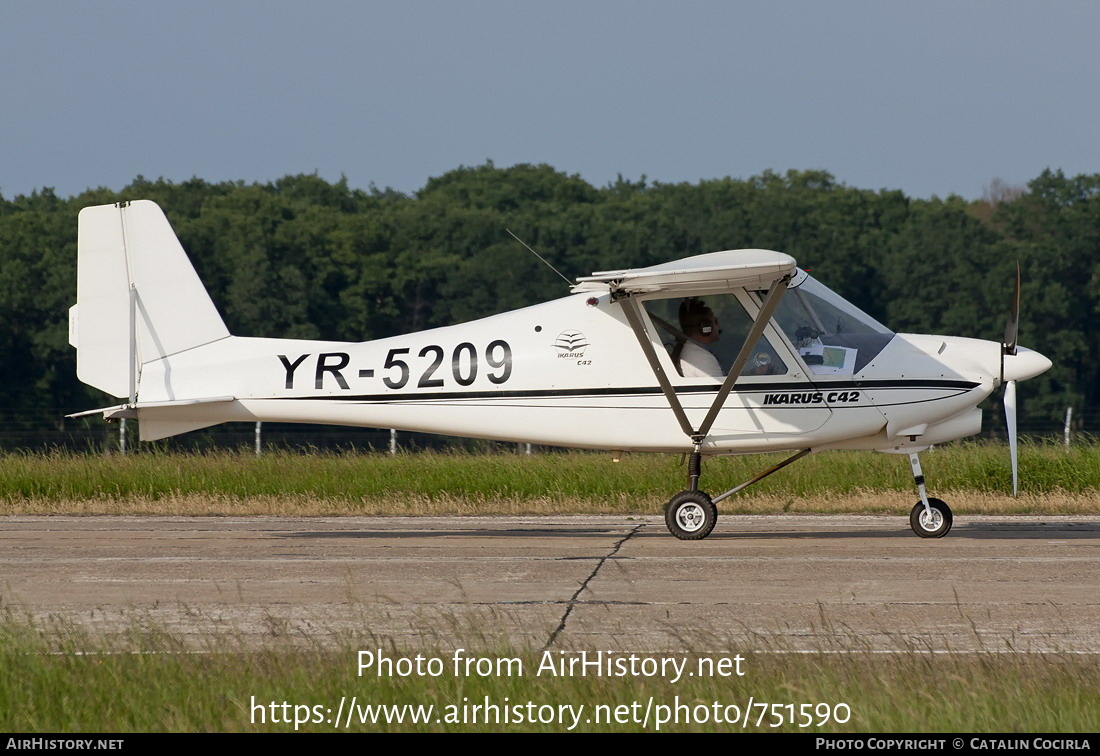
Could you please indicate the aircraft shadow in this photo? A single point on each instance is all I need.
(471, 533)
(976, 531)
(1082, 531)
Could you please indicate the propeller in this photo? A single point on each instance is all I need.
(1008, 348)
(1010, 422)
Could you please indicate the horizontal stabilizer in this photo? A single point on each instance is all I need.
(155, 430)
(157, 420)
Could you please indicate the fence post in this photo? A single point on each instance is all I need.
(1069, 418)
(393, 441)
(259, 442)
(122, 435)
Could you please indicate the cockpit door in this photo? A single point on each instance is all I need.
(773, 395)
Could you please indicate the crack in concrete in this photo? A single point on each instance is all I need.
(573, 599)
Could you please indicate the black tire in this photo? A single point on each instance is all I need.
(934, 524)
(690, 515)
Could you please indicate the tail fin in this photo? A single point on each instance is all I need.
(138, 296)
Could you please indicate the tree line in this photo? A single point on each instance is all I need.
(305, 258)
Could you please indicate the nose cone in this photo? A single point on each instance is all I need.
(1025, 364)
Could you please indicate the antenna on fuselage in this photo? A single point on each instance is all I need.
(536, 254)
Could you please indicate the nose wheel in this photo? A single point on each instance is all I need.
(931, 522)
(930, 518)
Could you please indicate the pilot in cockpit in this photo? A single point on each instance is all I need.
(691, 356)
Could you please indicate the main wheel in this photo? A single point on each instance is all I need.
(690, 515)
(933, 523)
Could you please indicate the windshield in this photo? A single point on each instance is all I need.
(832, 335)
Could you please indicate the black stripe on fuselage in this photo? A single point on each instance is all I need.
(753, 388)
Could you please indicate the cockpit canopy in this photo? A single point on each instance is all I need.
(830, 334)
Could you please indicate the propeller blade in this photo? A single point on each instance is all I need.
(1010, 423)
(1012, 325)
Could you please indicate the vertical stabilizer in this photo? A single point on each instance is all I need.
(138, 296)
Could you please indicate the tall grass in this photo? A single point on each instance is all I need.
(352, 482)
(59, 679)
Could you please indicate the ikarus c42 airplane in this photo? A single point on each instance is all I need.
(733, 352)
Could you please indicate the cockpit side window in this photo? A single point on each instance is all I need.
(703, 336)
(830, 334)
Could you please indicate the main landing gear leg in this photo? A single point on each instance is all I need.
(695, 470)
(690, 515)
(930, 518)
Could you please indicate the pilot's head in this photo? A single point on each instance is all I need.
(698, 321)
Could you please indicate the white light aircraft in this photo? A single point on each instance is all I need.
(622, 365)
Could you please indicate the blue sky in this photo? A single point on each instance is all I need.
(929, 97)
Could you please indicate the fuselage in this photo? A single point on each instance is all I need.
(571, 372)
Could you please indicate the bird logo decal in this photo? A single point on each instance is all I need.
(571, 343)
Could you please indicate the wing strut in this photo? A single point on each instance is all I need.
(778, 286)
(633, 315)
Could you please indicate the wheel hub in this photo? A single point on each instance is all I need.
(690, 517)
(931, 519)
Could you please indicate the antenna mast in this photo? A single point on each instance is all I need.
(536, 254)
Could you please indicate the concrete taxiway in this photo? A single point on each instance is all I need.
(822, 583)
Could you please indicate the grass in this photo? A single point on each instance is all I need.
(60, 679)
(974, 478)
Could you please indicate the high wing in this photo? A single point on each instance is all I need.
(698, 275)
